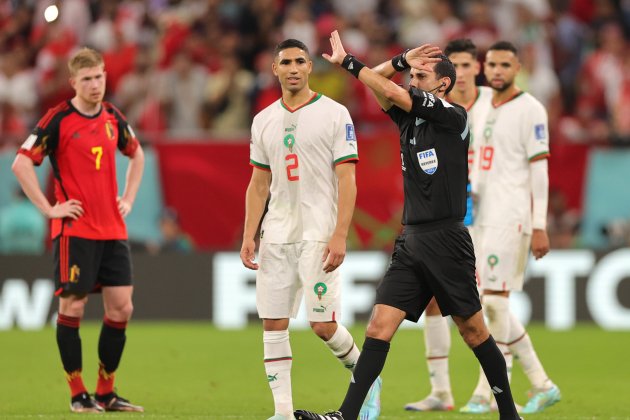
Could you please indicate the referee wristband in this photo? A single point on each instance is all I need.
(399, 62)
(353, 65)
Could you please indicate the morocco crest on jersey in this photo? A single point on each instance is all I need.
(428, 161)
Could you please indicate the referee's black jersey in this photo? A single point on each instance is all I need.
(434, 139)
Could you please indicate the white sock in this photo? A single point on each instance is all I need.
(521, 346)
(497, 310)
(437, 340)
(278, 361)
(342, 346)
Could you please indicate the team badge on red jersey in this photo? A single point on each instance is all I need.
(109, 129)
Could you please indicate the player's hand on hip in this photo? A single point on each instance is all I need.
(334, 254)
(72, 209)
(248, 255)
(540, 243)
(124, 206)
(338, 53)
(423, 57)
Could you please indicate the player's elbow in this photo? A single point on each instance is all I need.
(392, 92)
(398, 96)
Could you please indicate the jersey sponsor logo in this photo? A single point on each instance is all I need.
(350, 136)
(419, 121)
(29, 142)
(428, 161)
(539, 130)
(321, 309)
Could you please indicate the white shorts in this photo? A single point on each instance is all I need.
(501, 257)
(288, 271)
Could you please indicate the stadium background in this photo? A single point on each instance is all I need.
(190, 75)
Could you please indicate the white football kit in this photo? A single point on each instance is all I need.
(301, 148)
(506, 139)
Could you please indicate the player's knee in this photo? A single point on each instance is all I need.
(73, 305)
(473, 336)
(377, 329)
(120, 312)
(324, 330)
(473, 330)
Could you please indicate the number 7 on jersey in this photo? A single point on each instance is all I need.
(98, 151)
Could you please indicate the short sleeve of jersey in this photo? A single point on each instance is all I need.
(345, 140)
(538, 135)
(257, 156)
(427, 106)
(127, 140)
(43, 139)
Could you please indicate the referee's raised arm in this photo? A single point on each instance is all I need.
(387, 92)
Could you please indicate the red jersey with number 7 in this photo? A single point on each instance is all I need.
(82, 151)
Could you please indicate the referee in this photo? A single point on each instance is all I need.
(434, 256)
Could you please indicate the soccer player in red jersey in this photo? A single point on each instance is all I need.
(80, 137)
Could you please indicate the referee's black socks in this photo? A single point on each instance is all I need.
(369, 366)
(493, 364)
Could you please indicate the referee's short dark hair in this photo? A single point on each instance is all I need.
(503, 46)
(290, 43)
(459, 46)
(445, 69)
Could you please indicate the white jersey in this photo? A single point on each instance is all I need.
(505, 140)
(301, 148)
(475, 114)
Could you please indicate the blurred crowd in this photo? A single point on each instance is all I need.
(201, 69)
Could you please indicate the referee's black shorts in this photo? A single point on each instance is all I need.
(435, 259)
(84, 266)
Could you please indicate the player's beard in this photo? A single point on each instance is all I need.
(505, 86)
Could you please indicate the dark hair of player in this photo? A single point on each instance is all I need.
(290, 43)
(459, 46)
(503, 46)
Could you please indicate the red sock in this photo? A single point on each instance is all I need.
(105, 383)
(76, 383)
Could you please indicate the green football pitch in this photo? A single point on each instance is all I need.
(194, 371)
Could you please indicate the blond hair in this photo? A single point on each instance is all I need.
(84, 58)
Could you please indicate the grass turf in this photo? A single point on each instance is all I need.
(194, 371)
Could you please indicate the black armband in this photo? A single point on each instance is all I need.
(399, 62)
(353, 65)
